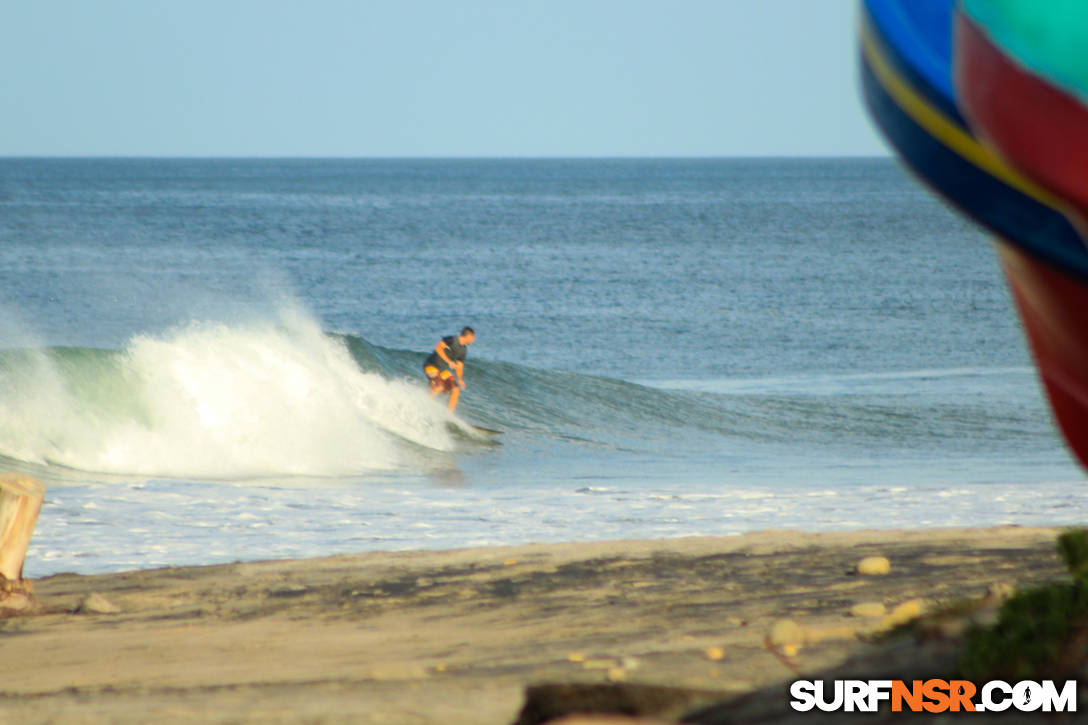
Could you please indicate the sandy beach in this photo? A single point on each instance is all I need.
(458, 636)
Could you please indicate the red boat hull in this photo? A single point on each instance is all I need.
(1039, 128)
(1054, 309)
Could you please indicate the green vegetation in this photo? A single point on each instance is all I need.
(1038, 630)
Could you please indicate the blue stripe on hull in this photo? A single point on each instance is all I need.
(917, 39)
(1035, 227)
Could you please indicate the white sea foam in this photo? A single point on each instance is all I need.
(838, 383)
(223, 401)
(202, 522)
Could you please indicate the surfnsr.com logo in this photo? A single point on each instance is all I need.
(933, 696)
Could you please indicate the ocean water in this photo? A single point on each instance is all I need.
(218, 360)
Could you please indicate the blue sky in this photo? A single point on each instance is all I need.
(428, 78)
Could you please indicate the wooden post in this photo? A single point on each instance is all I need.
(20, 502)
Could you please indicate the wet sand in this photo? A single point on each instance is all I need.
(457, 636)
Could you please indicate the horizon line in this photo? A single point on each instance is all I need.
(290, 157)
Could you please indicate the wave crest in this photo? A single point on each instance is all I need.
(215, 401)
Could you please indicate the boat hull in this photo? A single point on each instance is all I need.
(1005, 146)
(1053, 307)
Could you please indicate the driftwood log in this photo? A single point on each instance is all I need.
(20, 503)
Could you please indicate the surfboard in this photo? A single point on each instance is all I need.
(474, 432)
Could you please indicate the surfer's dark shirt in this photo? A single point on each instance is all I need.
(455, 351)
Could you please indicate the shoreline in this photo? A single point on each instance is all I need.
(456, 636)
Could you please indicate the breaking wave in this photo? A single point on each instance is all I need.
(215, 401)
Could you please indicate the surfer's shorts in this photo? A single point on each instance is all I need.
(440, 380)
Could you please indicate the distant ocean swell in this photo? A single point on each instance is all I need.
(282, 398)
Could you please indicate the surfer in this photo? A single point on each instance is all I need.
(446, 362)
